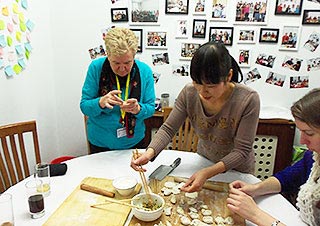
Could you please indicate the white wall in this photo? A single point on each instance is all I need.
(49, 90)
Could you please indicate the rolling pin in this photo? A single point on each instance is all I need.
(96, 190)
(210, 186)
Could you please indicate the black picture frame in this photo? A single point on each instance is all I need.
(119, 15)
(139, 33)
(181, 8)
(199, 28)
(311, 17)
(269, 35)
(296, 11)
(216, 34)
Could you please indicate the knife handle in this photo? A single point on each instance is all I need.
(96, 190)
(176, 163)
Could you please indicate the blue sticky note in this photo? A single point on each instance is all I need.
(3, 42)
(8, 70)
(24, 4)
(30, 25)
(28, 46)
(19, 49)
(22, 63)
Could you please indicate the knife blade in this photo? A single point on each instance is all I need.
(163, 170)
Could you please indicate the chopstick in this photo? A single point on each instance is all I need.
(143, 177)
(108, 201)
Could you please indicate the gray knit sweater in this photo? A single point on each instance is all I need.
(226, 136)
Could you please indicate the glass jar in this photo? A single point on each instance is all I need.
(164, 100)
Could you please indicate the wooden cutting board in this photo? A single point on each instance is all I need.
(76, 210)
(215, 199)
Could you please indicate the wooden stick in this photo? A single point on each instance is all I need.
(108, 201)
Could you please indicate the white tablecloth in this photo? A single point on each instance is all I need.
(117, 163)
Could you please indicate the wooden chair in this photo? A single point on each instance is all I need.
(185, 139)
(85, 126)
(13, 159)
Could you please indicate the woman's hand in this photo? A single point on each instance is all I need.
(110, 99)
(196, 181)
(249, 189)
(131, 105)
(142, 159)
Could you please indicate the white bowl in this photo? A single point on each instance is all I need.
(124, 185)
(147, 215)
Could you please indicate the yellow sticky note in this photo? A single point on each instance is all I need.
(23, 27)
(18, 36)
(15, 8)
(17, 68)
(21, 17)
(5, 11)
(9, 41)
(2, 25)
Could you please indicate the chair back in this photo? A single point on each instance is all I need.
(185, 139)
(13, 158)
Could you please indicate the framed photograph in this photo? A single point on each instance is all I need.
(286, 7)
(139, 34)
(144, 12)
(156, 40)
(269, 35)
(119, 14)
(199, 28)
(311, 17)
(247, 35)
(244, 58)
(219, 10)
(251, 12)
(188, 49)
(199, 7)
(290, 38)
(177, 6)
(221, 34)
(181, 29)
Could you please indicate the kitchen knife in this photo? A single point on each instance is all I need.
(163, 170)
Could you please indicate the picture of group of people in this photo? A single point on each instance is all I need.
(160, 59)
(251, 11)
(156, 39)
(313, 64)
(222, 35)
(288, 7)
(289, 38)
(265, 60)
(177, 6)
(244, 58)
(311, 17)
(246, 35)
(119, 14)
(219, 9)
(199, 8)
(251, 76)
(292, 63)
(275, 79)
(269, 35)
(97, 52)
(313, 42)
(182, 70)
(188, 49)
(299, 82)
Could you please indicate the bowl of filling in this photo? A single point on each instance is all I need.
(124, 185)
(149, 207)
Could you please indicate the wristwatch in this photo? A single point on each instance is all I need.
(275, 223)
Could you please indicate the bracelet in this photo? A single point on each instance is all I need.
(275, 223)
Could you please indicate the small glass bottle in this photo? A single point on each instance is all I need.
(164, 100)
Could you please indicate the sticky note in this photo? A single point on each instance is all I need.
(8, 70)
(27, 53)
(22, 63)
(15, 19)
(17, 69)
(30, 25)
(9, 41)
(18, 36)
(23, 27)
(10, 27)
(15, 8)
(1, 63)
(21, 17)
(19, 49)
(2, 41)
(11, 56)
(2, 25)
(24, 4)
(5, 11)
(28, 46)
(28, 37)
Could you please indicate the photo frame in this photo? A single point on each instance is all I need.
(177, 7)
(219, 10)
(221, 34)
(285, 7)
(119, 15)
(244, 58)
(139, 34)
(252, 12)
(199, 28)
(181, 29)
(144, 12)
(156, 40)
(188, 49)
(247, 36)
(199, 7)
(290, 38)
(311, 17)
(269, 35)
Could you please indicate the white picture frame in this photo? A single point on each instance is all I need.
(188, 49)
(290, 37)
(144, 12)
(246, 35)
(218, 10)
(199, 7)
(182, 30)
(244, 57)
(156, 40)
(249, 16)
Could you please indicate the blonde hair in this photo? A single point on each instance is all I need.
(119, 41)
